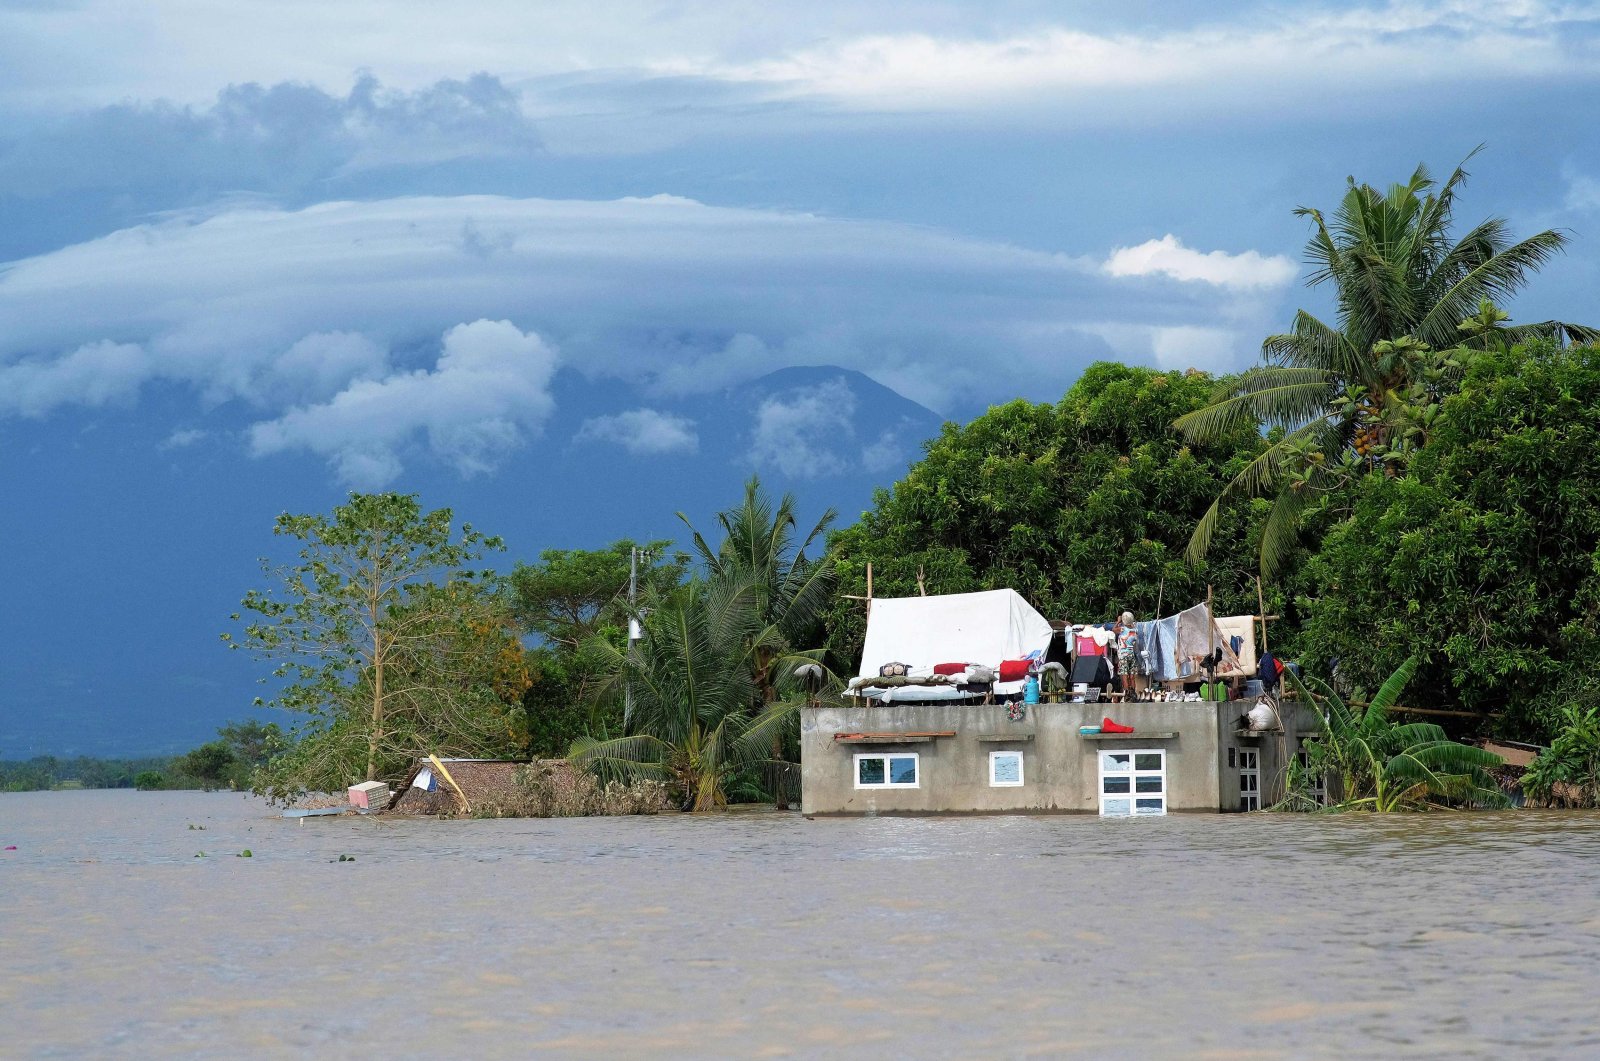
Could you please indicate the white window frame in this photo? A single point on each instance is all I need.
(1021, 776)
(1249, 794)
(1318, 788)
(916, 760)
(1133, 774)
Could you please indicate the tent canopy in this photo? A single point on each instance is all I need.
(982, 628)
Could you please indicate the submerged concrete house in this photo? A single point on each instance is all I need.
(962, 751)
(951, 758)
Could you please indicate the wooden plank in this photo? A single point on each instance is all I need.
(892, 738)
(1154, 735)
(1000, 738)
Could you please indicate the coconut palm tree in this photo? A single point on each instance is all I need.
(1385, 766)
(693, 720)
(791, 591)
(1406, 292)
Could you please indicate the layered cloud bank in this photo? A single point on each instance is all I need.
(366, 331)
(910, 56)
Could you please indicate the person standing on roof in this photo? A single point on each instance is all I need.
(1130, 664)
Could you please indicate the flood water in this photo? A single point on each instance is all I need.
(767, 935)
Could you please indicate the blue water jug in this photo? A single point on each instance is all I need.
(1030, 690)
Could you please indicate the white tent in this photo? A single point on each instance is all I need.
(983, 628)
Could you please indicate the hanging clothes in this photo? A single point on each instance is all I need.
(1149, 648)
(1239, 632)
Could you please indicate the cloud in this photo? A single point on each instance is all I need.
(489, 388)
(865, 56)
(184, 438)
(1168, 256)
(306, 318)
(1401, 43)
(1583, 192)
(812, 432)
(642, 432)
(292, 142)
(793, 433)
(99, 372)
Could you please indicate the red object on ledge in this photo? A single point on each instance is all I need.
(1014, 670)
(1108, 726)
(949, 668)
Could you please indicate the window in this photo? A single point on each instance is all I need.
(1249, 779)
(887, 771)
(1133, 783)
(1005, 769)
(1317, 787)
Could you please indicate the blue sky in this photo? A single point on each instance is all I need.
(261, 253)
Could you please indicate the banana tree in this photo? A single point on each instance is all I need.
(1385, 766)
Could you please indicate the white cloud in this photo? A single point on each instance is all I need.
(642, 432)
(797, 433)
(1583, 192)
(1168, 256)
(888, 454)
(490, 386)
(99, 372)
(912, 56)
(1289, 50)
(184, 438)
(315, 318)
(1188, 346)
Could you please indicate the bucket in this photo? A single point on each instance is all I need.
(1253, 688)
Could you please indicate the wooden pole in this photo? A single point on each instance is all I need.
(922, 590)
(1211, 644)
(1261, 602)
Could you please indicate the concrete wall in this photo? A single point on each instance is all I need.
(1274, 751)
(1060, 768)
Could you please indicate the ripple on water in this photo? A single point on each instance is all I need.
(1464, 935)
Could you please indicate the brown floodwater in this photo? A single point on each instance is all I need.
(767, 935)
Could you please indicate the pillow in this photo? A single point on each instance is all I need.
(949, 668)
(980, 675)
(1014, 670)
(893, 670)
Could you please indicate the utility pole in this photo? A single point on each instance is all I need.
(635, 630)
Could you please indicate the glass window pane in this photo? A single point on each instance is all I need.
(1148, 784)
(1147, 761)
(871, 771)
(1114, 784)
(902, 770)
(1006, 768)
(1115, 807)
(1148, 806)
(1113, 761)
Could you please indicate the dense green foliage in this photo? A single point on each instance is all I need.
(387, 641)
(711, 690)
(1567, 774)
(1484, 557)
(566, 599)
(1380, 765)
(45, 772)
(226, 762)
(1343, 399)
(1084, 507)
(571, 595)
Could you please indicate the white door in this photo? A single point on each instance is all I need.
(1249, 779)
